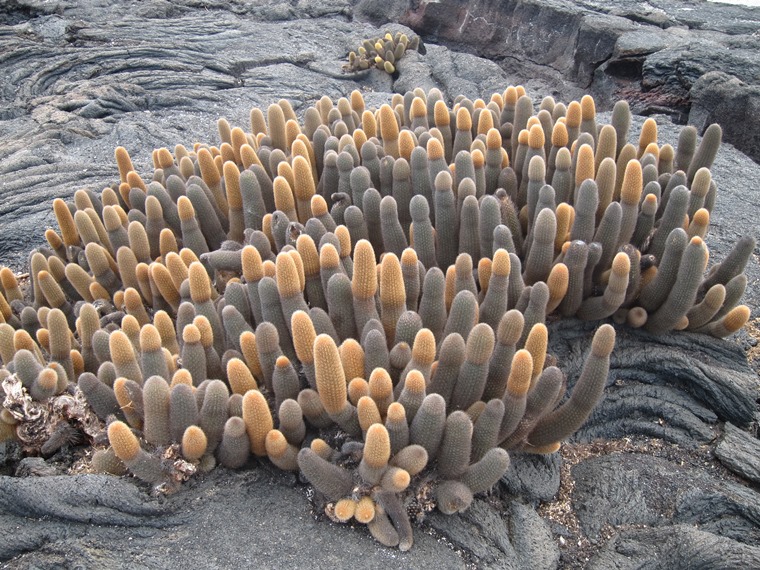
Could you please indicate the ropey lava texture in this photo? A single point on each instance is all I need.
(374, 283)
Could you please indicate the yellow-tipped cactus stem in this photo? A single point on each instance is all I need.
(377, 447)
(584, 169)
(65, 222)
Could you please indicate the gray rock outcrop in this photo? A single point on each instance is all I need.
(659, 55)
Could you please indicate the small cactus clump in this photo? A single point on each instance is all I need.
(361, 296)
(382, 53)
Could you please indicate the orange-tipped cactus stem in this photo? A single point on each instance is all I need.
(595, 308)
(193, 354)
(289, 287)
(587, 391)
(345, 509)
(364, 284)
(357, 389)
(129, 395)
(123, 357)
(463, 135)
(152, 356)
(398, 428)
(258, 421)
(367, 412)
(558, 283)
(519, 381)
(162, 277)
(377, 451)
(65, 219)
(395, 480)
(588, 116)
(331, 383)
(630, 194)
(127, 448)
(648, 135)
(392, 294)
(280, 452)
(201, 295)
(193, 443)
(389, 130)
(352, 358)
(285, 381)
(734, 320)
(192, 237)
(423, 355)
(240, 377)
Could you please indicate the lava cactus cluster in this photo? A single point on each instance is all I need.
(360, 295)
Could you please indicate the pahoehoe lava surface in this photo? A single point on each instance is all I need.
(80, 78)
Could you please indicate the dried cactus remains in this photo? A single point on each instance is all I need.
(361, 295)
